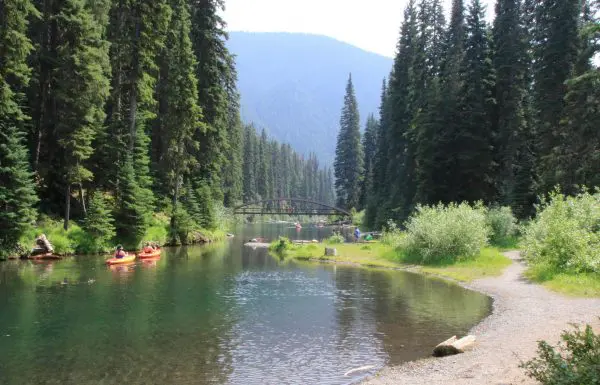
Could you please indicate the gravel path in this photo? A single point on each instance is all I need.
(523, 314)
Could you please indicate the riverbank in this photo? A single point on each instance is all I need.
(523, 314)
(490, 262)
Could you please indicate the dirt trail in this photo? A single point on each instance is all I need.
(524, 313)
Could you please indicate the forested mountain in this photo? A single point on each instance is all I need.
(293, 85)
(114, 111)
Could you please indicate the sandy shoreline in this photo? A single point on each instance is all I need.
(523, 314)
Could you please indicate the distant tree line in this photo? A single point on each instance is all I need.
(273, 170)
(497, 113)
(122, 109)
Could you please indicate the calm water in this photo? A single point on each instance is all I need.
(219, 314)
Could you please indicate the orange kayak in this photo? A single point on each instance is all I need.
(126, 259)
(154, 254)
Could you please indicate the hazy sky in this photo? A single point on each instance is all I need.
(373, 25)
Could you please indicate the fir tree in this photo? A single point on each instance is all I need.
(82, 87)
(369, 145)
(264, 181)
(181, 117)
(510, 55)
(349, 155)
(474, 140)
(578, 157)
(99, 223)
(132, 217)
(556, 47)
(17, 190)
(249, 164)
(214, 71)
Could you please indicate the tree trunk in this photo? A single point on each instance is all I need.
(67, 206)
(82, 199)
(133, 84)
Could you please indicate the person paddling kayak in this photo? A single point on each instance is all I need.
(120, 252)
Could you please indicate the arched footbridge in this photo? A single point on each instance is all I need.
(289, 206)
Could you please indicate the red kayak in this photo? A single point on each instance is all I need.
(153, 254)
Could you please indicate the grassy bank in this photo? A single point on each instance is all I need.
(76, 240)
(571, 284)
(490, 262)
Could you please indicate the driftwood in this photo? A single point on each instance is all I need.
(44, 245)
(453, 346)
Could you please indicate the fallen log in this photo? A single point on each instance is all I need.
(453, 346)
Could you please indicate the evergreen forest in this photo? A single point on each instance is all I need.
(115, 113)
(501, 113)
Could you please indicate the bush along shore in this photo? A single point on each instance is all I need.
(561, 245)
(96, 235)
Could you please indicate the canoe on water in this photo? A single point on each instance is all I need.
(116, 261)
(153, 254)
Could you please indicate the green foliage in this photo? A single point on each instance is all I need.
(132, 215)
(17, 190)
(502, 223)
(158, 231)
(575, 361)
(99, 224)
(335, 239)
(349, 158)
(565, 234)
(392, 235)
(439, 233)
(181, 227)
(206, 216)
(281, 246)
(65, 242)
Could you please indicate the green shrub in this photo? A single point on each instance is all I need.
(575, 362)
(358, 217)
(392, 235)
(441, 233)
(565, 234)
(336, 238)
(503, 225)
(184, 225)
(159, 229)
(64, 242)
(281, 245)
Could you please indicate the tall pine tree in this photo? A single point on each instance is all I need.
(349, 155)
(17, 190)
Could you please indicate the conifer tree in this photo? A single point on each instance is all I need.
(17, 190)
(264, 181)
(214, 71)
(132, 217)
(556, 47)
(349, 155)
(181, 117)
(369, 147)
(232, 171)
(399, 172)
(578, 158)
(249, 162)
(82, 86)
(99, 223)
(474, 139)
(510, 65)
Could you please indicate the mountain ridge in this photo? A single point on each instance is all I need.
(293, 84)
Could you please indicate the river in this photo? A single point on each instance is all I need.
(220, 314)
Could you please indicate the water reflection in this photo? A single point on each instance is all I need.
(218, 314)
